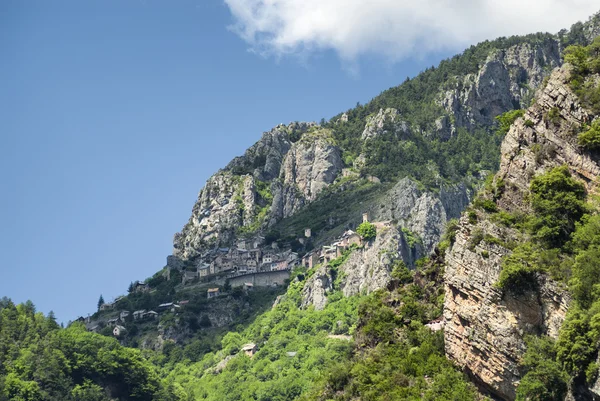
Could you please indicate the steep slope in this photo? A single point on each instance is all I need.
(440, 120)
(487, 324)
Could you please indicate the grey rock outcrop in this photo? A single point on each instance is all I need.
(507, 79)
(422, 212)
(366, 270)
(316, 289)
(311, 165)
(263, 159)
(380, 123)
(538, 142)
(370, 269)
(225, 203)
(297, 161)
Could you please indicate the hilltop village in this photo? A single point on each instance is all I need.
(250, 263)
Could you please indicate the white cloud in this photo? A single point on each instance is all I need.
(394, 28)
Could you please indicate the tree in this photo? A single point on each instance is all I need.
(367, 231)
(559, 202)
(100, 301)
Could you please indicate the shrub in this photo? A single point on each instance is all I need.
(590, 139)
(476, 237)
(472, 215)
(558, 202)
(486, 204)
(544, 378)
(367, 231)
(518, 270)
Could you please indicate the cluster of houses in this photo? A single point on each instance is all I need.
(139, 315)
(246, 257)
(329, 252)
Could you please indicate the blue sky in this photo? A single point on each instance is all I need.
(113, 113)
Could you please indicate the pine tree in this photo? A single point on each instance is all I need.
(100, 301)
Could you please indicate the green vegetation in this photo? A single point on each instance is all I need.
(337, 207)
(418, 153)
(507, 119)
(585, 61)
(395, 356)
(367, 231)
(544, 378)
(590, 138)
(572, 358)
(41, 361)
(558, 202)
(308, 354)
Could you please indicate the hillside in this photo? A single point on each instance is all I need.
(438, 243)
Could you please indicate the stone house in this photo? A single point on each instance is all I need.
(203, 270)
(254, 253)
(139, 286)
(267, 258)
(106, 306)
(252, 265)
(112, 322)
(250, 349)
(151, 314)
(436, 325)
(189, 276)
(244, 244)
(212, 293)
(139, 314)
(328, 253)
(279, 265)
(119, 331)
(123, 315)
(350, 238)
(310, 259)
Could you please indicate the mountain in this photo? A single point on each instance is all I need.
(439, 242)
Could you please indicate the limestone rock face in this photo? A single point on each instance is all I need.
(316, 288)
(366, 270)
(388, 119)
(263, 159)
(370, 269)
(422, 212)
(485, 328)
(507, 79)
(297, 162)
(217, 213)
(311, 165)
(538, 142)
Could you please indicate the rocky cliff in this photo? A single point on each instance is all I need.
(424, 213)
(312, 164)
(485, 327)
(291, 164)
(366, 269)
(506, 80)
